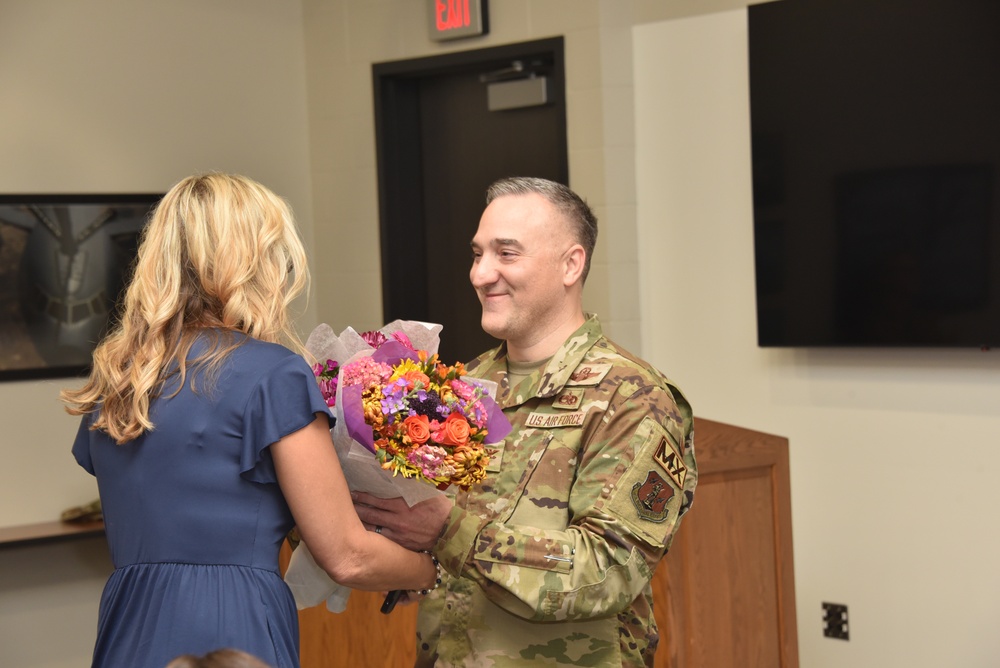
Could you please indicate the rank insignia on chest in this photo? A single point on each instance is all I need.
(650, 497)
(569, 399)
(589, 374)
(667, 457)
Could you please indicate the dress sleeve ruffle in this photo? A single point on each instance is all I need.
(81, 446)
(285, 400)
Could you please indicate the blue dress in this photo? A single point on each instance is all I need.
(195, 518)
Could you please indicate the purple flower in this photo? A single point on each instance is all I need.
(426, 403)
(394, 398)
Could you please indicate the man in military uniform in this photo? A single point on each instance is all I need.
(549, 560)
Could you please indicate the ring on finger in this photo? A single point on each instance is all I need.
(378, 529)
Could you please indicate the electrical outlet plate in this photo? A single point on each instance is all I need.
(835, 621)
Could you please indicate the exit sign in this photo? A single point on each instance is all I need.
(451, 19)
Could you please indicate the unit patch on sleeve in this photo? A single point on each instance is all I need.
(651, 496)
(668, 457)
(644, 498)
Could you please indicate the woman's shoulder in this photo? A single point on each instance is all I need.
(265, 349)
(247, 365)
(259, 357)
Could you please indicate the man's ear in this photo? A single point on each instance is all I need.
(573, 263)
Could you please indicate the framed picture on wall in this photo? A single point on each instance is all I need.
(64, 260)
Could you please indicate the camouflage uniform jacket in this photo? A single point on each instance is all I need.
(549, 560)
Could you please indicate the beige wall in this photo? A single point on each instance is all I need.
(893, 452)
(112, 96)
(130, 97)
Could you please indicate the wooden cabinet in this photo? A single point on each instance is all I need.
(727, 585)
(724, 595)
(46, 532)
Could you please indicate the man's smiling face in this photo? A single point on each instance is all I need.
(517, 267)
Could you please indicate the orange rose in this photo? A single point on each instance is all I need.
(453, 431)
(417, 428)
(412, 377)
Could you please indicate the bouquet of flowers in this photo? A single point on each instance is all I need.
(405, 425)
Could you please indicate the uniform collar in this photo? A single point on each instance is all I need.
(549, 381)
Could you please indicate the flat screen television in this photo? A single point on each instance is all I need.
(64, 260)
(876, 172)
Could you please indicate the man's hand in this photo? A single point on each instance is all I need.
(415, 528)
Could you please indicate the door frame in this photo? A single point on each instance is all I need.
(396, 86)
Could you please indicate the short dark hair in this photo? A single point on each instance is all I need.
(579, 214)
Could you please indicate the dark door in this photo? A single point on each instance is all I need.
(439, 147)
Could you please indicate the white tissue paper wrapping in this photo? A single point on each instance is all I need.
(310, 585)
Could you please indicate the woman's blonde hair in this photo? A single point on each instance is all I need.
(220, 658)
(220, 251)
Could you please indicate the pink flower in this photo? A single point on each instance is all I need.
(427, 458)
(365, 372)
(374, 339)
(404, 339)
(326, 376)
(463, 390)
(328, 388)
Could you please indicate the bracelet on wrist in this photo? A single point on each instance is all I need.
(437, 576)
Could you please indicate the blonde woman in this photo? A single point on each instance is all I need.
(220, 658)
(210, 440)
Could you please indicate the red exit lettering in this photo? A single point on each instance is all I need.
(451, 14)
